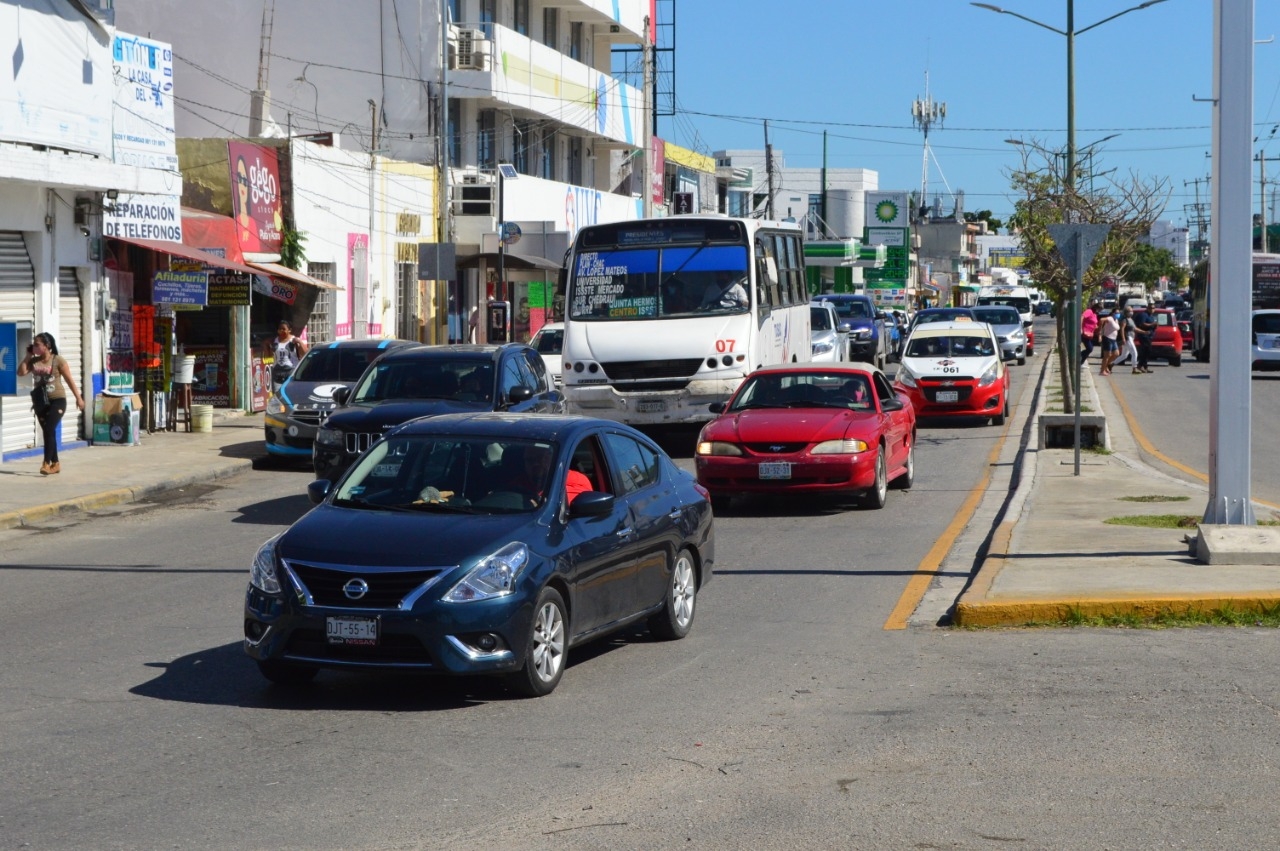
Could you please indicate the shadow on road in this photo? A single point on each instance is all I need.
(281, 511)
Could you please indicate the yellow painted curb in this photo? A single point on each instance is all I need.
(1025, 612)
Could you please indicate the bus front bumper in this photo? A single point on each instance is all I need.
(689, 404)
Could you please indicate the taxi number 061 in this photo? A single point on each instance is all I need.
(723, 346)
(951, 370)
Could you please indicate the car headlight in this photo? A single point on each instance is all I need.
(847, 446)
(718, 447)
(989, 377)
(263, 575)
(862, 333)
(329, 437)
(823, 347)
(275, 407)
(494, 576)
(905, 377)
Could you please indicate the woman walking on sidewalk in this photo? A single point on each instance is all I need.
(49, 397)
(1109, 328)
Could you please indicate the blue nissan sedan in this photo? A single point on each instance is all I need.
(486, 543)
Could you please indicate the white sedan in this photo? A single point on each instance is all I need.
(549, 342)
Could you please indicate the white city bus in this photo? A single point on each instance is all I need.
(665, 316)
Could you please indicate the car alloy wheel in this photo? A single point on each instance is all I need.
(875, 498)
(545, 653)
(676, 618)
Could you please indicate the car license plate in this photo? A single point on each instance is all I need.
(947, 396)
(352, 630)
(651, 406)
(775, 470)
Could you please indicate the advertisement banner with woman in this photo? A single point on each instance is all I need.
(256, 204)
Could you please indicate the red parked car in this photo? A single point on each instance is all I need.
(810, 428)
(1167, 341)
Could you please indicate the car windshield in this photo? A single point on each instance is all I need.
(450, 473)
(997, 315)
(334, 364)
(463, 379)
(819, 319)
(942, 316)
(956, 346)
(805, 390)
(851, 308)
(548, 341)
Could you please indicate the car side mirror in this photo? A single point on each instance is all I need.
(341, 395)
(318, 490)
(1026, 323)
(894, 404)
(592, 504)
(844, 327)
(717, 407)
(520, 394)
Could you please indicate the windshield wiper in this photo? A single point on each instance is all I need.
(361, 502)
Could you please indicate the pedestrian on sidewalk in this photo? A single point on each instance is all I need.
(1145, 327)
(52, 377)
(1088, 330)
(1109, 329)
(286, 350)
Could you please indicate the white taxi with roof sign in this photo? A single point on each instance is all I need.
(954, 369)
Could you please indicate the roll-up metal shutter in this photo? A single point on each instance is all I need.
(17, 304)
(71, 347)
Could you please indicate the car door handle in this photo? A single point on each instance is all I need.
(674, 513)
(625, 533)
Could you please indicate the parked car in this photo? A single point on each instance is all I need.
(549, 343)
(829, 338)
(953, 369)
(809, 428)
(868, 341)
(1011, 334)
(1266, 340)
(429, 380)
(1044, 307)
(1166, 342)
(460, 544)
(299, 406)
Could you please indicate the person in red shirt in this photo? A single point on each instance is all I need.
(1088, 330)
(535, 474)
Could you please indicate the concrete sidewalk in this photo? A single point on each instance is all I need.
(1053, 557)
(104, 475)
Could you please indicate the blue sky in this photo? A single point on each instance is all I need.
(853, 68)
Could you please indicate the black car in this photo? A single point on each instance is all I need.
(482, 544)
(424, 381)
(304, 401)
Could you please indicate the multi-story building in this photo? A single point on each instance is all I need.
(459, 85)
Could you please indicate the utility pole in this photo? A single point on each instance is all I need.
(768, 170)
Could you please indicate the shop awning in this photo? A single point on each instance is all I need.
(275, 270)
(177, 249)
(509, 261)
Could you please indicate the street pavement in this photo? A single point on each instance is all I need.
(1050, 558)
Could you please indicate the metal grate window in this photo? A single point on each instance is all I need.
(409, 318)
(320, 323)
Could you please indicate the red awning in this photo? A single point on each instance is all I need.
(177, 249)
(275, 270)
(204, 230)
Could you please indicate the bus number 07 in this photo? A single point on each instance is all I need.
(725, 345)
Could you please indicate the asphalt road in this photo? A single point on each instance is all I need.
(129, 717)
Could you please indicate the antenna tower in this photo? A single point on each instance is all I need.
(924, 114)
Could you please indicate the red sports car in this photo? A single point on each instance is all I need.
(810, 428)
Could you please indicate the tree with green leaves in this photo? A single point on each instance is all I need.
(1129, 205)
(1150, 264)
(993, 224)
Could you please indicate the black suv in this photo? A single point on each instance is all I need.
(426, 380)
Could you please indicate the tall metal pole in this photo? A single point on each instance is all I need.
(1071, 102)
(1231, 265)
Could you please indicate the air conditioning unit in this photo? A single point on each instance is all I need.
(470, 51)
(471, 178)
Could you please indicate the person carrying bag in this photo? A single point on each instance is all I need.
(286, 350)
(52, 377)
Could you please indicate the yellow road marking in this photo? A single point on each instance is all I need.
(929, 567)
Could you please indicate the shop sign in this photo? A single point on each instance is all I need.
(230, 288)
(180, 288)
(275, 288)
(256, 204)
(144, 217)
(261, 384)
(143, 116)
(8, 359)
(209, 384)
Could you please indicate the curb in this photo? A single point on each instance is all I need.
(118, 496)
(1020, 613)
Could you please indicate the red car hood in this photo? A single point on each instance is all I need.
(789, 425)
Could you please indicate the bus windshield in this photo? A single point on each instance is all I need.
(659, 282)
